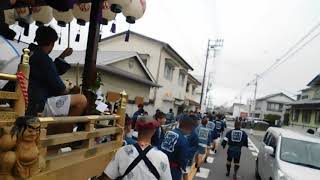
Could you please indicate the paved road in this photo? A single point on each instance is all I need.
(216, 168)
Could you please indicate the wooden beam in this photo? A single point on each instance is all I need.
(80, 171)
(61, 161)
(77, 136)
(9, 77)
(76, 119)
(7, 118)
(8, 95)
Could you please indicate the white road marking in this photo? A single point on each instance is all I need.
(204, 173)
(254, 146)
(210, 160)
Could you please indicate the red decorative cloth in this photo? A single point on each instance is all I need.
(21, 79)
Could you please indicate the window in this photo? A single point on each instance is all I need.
(305, 97)
(317, 120)
(306, 116)
(274, 107)
(193, 90)
(272, 141)
(265, 139)
(187, 88)
(182, 77)
(168, 71)
(296, 114)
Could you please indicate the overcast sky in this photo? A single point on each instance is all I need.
(255, 32)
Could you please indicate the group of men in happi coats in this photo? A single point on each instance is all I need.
(150, 152)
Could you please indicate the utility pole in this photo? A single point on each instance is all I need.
(255, 95)
(204, 73)
(217, 43)
(208, 88)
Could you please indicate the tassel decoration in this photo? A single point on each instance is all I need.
(19, 38)
(78, 38)
(100, 34)
(113, 27)
(78, 35)
(127, 36)
(26, 30)
(60, 34)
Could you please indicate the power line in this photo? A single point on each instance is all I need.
(297, 50)
(287, 55)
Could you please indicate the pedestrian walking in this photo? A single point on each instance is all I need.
(204, 135)
(170, 117)
(128, 139)
(193, 141)
(139, 112)
(213, 132)
(235, 139)
(158, 136)
(176, 146)
(220, 126)
(140, 161)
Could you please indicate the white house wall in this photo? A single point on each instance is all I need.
(155, 64)
(134, 67)
(139, 45)
(169, 88)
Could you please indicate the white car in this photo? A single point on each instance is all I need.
(288, 155)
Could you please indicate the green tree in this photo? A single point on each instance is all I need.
(271, 118)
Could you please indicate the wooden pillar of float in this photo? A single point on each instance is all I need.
(24, 68)
(122, 113)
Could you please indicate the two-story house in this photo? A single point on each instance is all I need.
(274, 104)
(191, 96)
(306, 110)
(165, 64)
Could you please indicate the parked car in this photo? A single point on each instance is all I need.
(288, 155)
(230, 118)
(260, 125)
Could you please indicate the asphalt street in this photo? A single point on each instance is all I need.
(215, 169)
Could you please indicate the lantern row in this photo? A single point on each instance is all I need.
(131, 9)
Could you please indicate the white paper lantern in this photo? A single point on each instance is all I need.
(62, 17)
(82, 13)
(42, 15)
(107, 14)
(134, 10)
(9, 16)
(118, 5)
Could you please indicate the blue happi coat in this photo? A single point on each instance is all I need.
(193, 141)
(205, 138)
(175, 145)
(212, 126)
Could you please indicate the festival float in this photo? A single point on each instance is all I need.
(26, 150)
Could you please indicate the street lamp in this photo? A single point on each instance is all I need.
(212, 45)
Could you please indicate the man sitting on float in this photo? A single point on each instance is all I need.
(47, 93)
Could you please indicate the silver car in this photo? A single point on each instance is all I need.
(288, 155)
